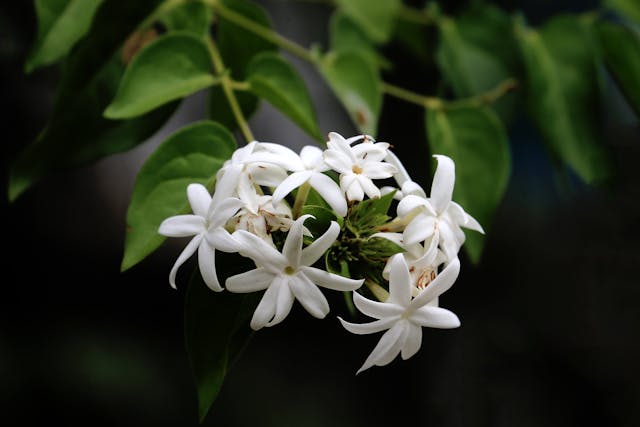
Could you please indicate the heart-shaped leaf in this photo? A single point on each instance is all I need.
(170, 68)
(274, 79)
(61, 23)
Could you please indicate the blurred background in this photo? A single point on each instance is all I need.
(550, 316)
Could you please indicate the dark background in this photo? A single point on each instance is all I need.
(550, 317)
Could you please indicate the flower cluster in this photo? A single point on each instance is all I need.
(398, 264)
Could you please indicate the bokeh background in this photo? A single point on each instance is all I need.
(550, 317)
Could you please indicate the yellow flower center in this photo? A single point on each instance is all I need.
(356, 169)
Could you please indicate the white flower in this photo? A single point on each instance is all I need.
(288, 275)
(358, 165)
(438, 215)
(207, 225)
(259, 215)
(423, 260)
(308, 167)
(403, 316)
(247, 161)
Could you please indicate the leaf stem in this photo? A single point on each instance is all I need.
(486, 98)
(434, 103)
(301, 197)
(410, 14)
(261, 31)
(227, 87)
(412, 97)
(428, 16)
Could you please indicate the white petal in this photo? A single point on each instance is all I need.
(182, 226)
(451, 239)
(412, 188)
(411, 202)
(378, 170)
(207, 264)
(250, 281)
(399, 281)
(314, 251)
(350, 184)
(199, 199)
(331, 281)
(388, 347)
(439, 285)
(266, 309)
(353, 139)
(292, 249)
(419, 229)
(375, 309)
(435, 317)
(260, 251)
(226, 183)
(284, 302)
(189, 250)
(464, 219)
(247, 193)
(309, 296)
(401, 176)
(373, 152)
(413, 341)
(369, 328)
(311, 157)
(222, 240)
(330, 192)
(290, 183)
(337, 142)
(369, 187)
(392, 237)
(443, 181)
(279, 155)
(266, 174)
(223, 211)
(338, 161)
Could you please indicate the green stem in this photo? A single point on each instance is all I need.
(301, 198)
(162, 9)
(227, 87)
(261, 31)
(433, 103)
(412, 97)
(486, 98)
(425, 17)
(378, 291)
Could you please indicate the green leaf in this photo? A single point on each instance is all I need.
(194, 17)
(563, 94)
(77, 133)
(193, 154)
(347, 36)
(477, 142)
(621, 51)
(365, 216)
(172, 67)
(61, 23)
(216, 329)
(356, 83)
(628, 8)
(323, 217)
(477, 51)
(375, 18)
(238, 47)
(274, 79)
